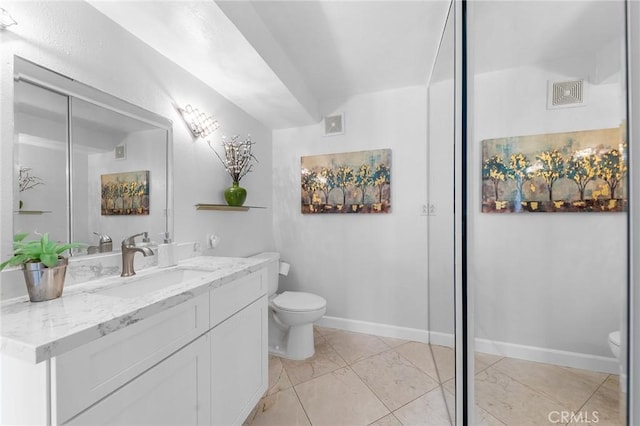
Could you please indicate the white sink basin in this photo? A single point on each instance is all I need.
(139, 286)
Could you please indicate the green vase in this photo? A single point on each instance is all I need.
(235, 195)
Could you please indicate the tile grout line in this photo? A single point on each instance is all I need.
(441, 385)
(593, 394)
(302, 405)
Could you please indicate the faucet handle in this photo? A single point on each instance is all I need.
(130, 241)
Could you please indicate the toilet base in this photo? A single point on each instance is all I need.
(296, 344)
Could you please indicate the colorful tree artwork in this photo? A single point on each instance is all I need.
(352, 182)
(125, 193)
(582, 171)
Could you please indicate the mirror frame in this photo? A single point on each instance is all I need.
(30, 72)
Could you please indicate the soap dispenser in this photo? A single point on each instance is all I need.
(166, 252)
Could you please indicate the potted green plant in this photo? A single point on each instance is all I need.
(43, 265)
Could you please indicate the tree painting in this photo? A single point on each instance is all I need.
(583, 171)
(520, 171)
(344, 177)
(612, 169)
(550, 167)
(309, 183)
(363, 179)
(381, 177)
(583, 168)
(495, 169)
(326, 182)
(351, 172)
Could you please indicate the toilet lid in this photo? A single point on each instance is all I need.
(298, 301)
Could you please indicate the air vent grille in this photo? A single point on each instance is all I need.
(566, 94)
(334, 125)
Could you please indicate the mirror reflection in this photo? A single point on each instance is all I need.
(85, 172)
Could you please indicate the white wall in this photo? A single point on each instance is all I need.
(75, 40)
(546, 280)
(368, 267)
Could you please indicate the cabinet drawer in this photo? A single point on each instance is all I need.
(87, 374)
(232, 297)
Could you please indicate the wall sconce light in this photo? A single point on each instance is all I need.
(200, 124)
(6, 20)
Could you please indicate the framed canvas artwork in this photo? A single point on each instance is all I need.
(125, 193)
(581, 171)
(350, 182)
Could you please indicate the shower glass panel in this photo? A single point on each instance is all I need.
(547, 211)
(440, 224)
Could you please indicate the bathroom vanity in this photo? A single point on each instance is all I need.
(182, 345)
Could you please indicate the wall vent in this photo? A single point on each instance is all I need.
(566, 94)
(334, 125)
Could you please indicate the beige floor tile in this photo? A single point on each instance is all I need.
(340, 398)
(323, 331)
(392, 341)
(571, 387)
(353, 347)
(445, 360)
(429, 409)
(450, 386)
(603, 408)
(510, 401)
(325, 360)
(280, 409)
(420, 355)
(482, 417)
(393, 379)
(278, 378)
(483, 361)
(388, 420)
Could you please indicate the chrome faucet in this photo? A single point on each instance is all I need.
(129, 249)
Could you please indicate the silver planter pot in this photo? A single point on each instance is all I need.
(45, 283)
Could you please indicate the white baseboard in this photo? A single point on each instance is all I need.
(375, 328)
(512, 350)
(549, 356)
(442, 339)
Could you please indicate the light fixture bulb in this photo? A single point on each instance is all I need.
(200, 124)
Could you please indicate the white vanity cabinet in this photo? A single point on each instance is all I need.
(202, 361)
(239, 349)
(170, 393)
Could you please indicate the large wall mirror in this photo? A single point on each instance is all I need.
(87, 164)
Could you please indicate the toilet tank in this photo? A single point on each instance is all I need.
(273, 268)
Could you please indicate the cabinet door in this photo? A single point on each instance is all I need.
(239, 361)
(174, 392)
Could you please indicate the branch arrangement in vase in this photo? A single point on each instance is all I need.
(238, 158)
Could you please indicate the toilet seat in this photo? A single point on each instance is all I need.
(298, 301)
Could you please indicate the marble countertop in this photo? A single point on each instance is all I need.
(36, 332)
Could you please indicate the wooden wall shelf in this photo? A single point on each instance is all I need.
(224, 207)
(32, 211)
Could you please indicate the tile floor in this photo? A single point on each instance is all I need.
(359, 379)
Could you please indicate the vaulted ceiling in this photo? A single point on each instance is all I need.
(284, 61)
(281, 61)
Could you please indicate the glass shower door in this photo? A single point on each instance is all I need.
(546, 217)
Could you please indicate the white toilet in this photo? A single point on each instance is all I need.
(291, 315)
